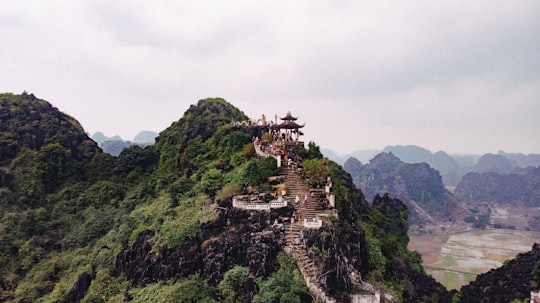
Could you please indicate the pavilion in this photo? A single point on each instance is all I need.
(287, 127)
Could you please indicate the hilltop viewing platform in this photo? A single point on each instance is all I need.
(282, 142)
(312, 204)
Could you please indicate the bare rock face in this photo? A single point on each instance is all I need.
(78, 291)
(515, 280)
(340, 251)
(236, 237)
(418, 185)
(142, 266)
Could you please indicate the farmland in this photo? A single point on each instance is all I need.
(455, 259)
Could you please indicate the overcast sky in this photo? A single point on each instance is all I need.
(458, 76)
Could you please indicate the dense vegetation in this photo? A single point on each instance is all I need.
(155, 224)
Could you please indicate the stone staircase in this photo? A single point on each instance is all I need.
(309, 211)
(297, 187)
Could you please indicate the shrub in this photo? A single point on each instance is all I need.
(248, 150)
(257, 171)
(315, 171)
(190, 290)
(285, 285)
(228, 191)
(97, 224)
(232, 282)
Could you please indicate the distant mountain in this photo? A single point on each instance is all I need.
(418, 185)
(510, 189)
(330, 154)
(493, 163)
(465, 161)
(99, 137)
(409, 153)
(114, 145)
(450, 169)
(453, 167)
(442, 162)
(522, 160)
(145, 137)
(363, 155)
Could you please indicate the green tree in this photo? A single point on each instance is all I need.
(28, 172)
(211, 181)
(314, 151)
(257, 171)
(316, 171)
(285, 285)
(233, 281)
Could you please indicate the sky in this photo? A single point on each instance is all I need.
(459, 76)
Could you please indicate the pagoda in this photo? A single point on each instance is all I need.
(287, 128)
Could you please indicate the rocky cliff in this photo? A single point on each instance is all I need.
(521, 190)
(418, 185)
(235, 238)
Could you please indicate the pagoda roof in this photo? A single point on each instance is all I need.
(288, 125)
(289, 117)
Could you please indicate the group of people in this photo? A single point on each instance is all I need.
(286, 221)
(297, 199)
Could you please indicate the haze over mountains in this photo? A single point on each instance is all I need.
(470, 183)
(451, 167)
(115, 144)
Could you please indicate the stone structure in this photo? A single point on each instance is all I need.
(287, 128)
(243, 202)
(375, 298)
(314, 223)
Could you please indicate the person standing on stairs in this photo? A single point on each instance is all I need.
(306, 199)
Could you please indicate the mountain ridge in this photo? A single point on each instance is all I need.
(156, 223)
(452, 167)
(418, 185)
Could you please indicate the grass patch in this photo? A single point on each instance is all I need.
(448, 261)
(467, 278)
(477, 270)
(451, 280)
(193, 289)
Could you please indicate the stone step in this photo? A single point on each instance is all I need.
(296, 186)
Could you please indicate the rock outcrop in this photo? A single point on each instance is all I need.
(515, 280)
(236, 237)
(418, 185)
(512, 189)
